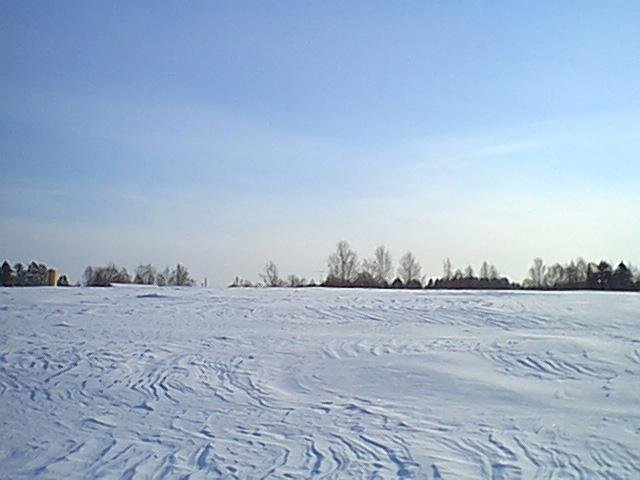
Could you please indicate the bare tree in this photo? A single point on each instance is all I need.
(145, 275)
(554, 276)
(468, 272)
(536, 274)
(581, 269)
(270, 276)
(180, 277)
(571, 273)
(105, 276)
(343, 264)
(380, 267)
(484, 271)
(635, 271)
(447, 270)
(294, 281)
(384, 264)
(162, 278)
(368, 267)
(493, 272)
(241, 282)
(409, 268)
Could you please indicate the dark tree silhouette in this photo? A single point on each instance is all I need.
(602, 276)
(365, 280)
(413, 284)
(343, 265)
(293, 281)
(7, 274)
(468, 273)
(622, 278)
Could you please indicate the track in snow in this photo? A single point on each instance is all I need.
(135, 382)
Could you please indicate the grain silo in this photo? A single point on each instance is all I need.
(52, 277)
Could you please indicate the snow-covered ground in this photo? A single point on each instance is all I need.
(134, 382)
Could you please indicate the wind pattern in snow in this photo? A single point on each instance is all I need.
(135, 382)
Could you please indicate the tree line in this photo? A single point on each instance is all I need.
(581, 275)
(33, 275)
(37, 274)
(347, 270)
(144, 275)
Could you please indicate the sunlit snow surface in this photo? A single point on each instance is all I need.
(134, 382)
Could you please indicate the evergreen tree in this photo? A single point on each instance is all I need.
(7, 274)
(603, 276)
(622, 278)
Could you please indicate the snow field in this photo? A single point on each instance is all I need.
(137, 382)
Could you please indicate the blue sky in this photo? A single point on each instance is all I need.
(225, 134)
